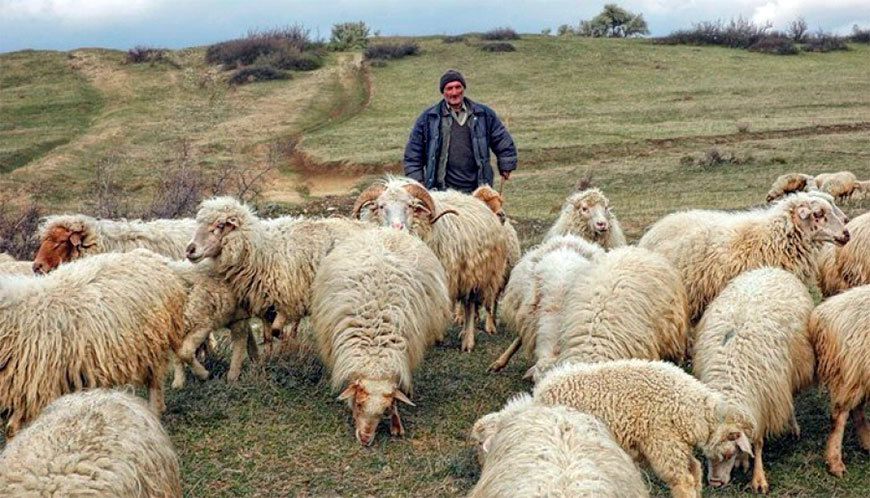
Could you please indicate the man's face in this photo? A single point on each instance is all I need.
(453, 93)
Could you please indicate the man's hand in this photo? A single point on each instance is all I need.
(505, 174)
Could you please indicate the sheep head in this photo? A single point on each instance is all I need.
(728, 439)
(492, 199)
(369, 400)
(593, 208)
(819, 218)
(61, 242)
(218, 221)
(789, 183)
(401, 204)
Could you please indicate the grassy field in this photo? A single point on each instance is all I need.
(638, 118)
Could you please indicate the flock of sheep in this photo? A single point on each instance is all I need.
(108, 303)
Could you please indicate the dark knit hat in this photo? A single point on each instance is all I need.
(451, 75)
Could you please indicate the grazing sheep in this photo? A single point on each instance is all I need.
(630, 304)
(840, 184)
(472, 245)
(709, 248)
(379, 300)
(533, 281)
(862, 190)
(538, 451)
(655, 411)
(68, 237)
(790, 183)
(588, 215)
(842, 268)
(93, 443)
(840, 333)
(266, 263)
(752, 346)
(103, 321)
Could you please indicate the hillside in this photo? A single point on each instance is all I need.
(659, 128)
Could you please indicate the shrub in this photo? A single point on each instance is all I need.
(824, 42)
(565, 30)
(386, 51)
(614, 22)
(286, 43)
(777, 45)
(546, 31)
(291, 59)
(454, 39)
(251, 74)
(737, 33)
(141, 54)
(500, 34)
(349, 35)
(497, 47)
(797, 30)
(860, 35)
(17, 228)
(742, 127)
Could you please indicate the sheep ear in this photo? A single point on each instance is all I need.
(803, 212)
(399, 395)
(742, 441)
(233, 221)
(348, 393)
(484, 447)
(75, 238)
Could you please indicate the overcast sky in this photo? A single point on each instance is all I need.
(68, 24)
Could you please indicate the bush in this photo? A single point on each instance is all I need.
(349, 35)
(286, 43)
(797, 30)
(497, 47)
(860, 35)
(141, 54)
(500, 34)
(614, 22)
(739, 33)
(386, 51)
(17, 229)
(251, 74)
(824, 42)
(777, 45)
(291, 59)
(565, 30)
(454, 39)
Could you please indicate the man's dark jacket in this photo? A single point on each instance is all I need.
(424, 144)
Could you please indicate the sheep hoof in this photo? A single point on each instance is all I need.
(837, 468)
(759, 485)
(496, 366)
(178, 382)
(468, 343)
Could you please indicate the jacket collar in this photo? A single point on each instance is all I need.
(441, 108)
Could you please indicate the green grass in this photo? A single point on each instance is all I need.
(43, 104)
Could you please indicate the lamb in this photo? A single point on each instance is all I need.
(587, 214)
(753, 347)
(379, 300)
(103, 321)
(266, 263)
(630, 304)
(553, 451)
(655, 411)
(532, 302)
(840, 184)
(69, 237)
(790, 183)
(709, 248)
(472, 245)
(840, 333)
(93, 443)
(841, 268)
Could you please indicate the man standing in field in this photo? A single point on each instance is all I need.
(450, 142)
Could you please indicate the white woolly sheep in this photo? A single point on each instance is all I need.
(69, 237)
(93, 443)
(472, 245)
(709, 248)
(655, 411)
(752, 346)
(16, 268)
(790, 183)
(533, 281)
(630, 304)
(847, 266)
(6, 258)
(379, 301)
(840, 184)
(588, 215)
(266, 262)
(538, 451)
(103, 321)
(840, 333)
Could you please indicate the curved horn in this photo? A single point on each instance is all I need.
(367, 196)
(422, 194)
(489, 197)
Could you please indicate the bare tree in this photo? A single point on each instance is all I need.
(797, 30)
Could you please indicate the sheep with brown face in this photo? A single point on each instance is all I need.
(471, 244)
(587, 214)
(790, 183)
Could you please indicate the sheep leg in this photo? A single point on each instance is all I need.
(491, 310)
(833, 453)
(240, 336)
(676, 467)
(396, 428)
(178, 376)
(155, 394)
(759, 479)
(253, 350)
(795, 427)
(187, 352)
(861, 426)
(276, 329)
(501, 362)
(458, 313)
(467, 334)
